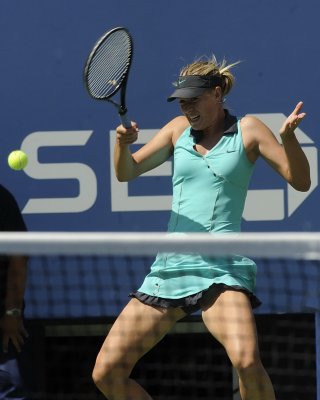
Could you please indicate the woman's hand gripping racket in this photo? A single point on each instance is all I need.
(107, 69)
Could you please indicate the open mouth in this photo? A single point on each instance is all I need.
(194, 118)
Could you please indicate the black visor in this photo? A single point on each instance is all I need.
(190, 86)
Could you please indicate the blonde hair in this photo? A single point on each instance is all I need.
(210, 66)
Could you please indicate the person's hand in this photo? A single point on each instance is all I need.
(126, 136)
(293, 121)
(12, 330)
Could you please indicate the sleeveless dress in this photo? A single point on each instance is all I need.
(209, 193)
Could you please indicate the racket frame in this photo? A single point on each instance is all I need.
(122, 85)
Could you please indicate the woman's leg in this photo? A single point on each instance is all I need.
(137, 329)
(231, 321)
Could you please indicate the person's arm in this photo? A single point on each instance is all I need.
(12, 326)
(298, 165)
(288, 158)
(128, 166)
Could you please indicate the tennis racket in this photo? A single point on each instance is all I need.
(107, 68)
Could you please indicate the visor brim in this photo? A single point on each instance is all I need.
(186, 93)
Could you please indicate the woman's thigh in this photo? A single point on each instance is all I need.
(137, 329)
(231, 321)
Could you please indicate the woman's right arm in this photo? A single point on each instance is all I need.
(128, 166)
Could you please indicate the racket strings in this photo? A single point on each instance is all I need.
(109, 65)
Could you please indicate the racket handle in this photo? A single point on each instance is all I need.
(125, 120)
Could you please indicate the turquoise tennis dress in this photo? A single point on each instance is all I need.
(209, 193)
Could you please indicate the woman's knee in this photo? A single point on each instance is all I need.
(105, 373)
(100, 374)
(246, 363)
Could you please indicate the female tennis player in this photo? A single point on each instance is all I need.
(214, 156)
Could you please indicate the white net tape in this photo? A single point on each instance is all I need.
(289, 245)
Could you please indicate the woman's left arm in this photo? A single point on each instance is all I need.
(298, 165)
(288, 158)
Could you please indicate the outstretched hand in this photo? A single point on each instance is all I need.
(293, 121)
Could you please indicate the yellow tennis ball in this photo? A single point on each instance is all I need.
(17, 160)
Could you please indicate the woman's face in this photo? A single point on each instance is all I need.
(202, 111)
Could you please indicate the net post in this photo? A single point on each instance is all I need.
(317, 336)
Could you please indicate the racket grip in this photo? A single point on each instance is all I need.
(125, 120)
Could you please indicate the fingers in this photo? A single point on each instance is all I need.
(292, 123)
(16, 337)
(16, 340)
(294, 119)
(298, 108)
(127, 135)
(122, 129)
(299, 118)
(296, 114)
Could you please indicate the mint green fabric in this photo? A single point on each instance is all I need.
(209, 194)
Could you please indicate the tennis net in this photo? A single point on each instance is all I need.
(79, 282)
